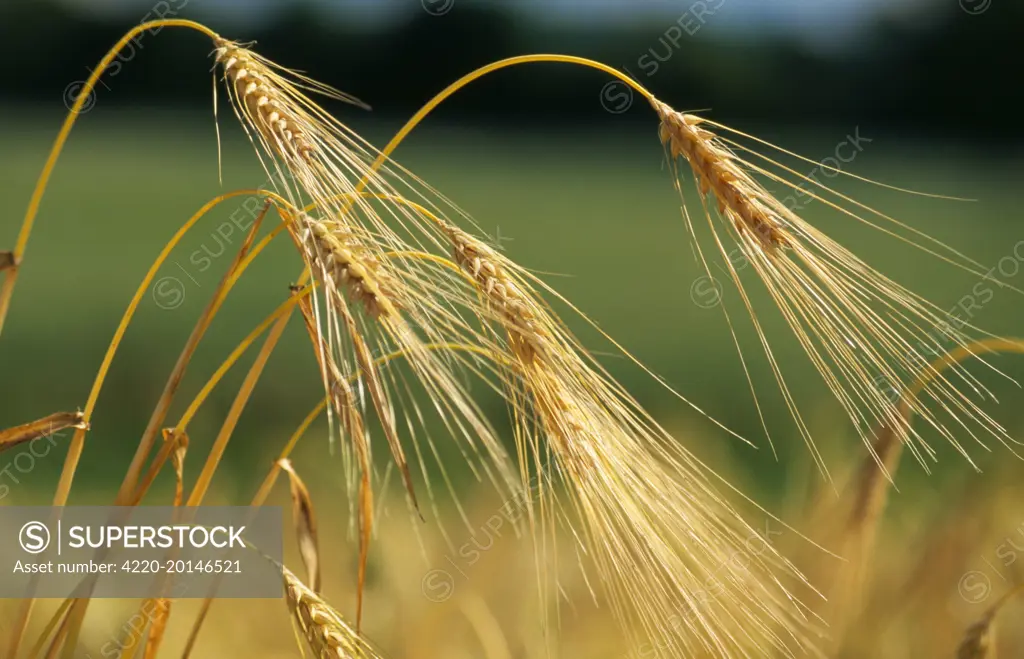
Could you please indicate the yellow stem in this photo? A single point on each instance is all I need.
(207, 388)
(482, 71)
(887, 449)
(77, 444)
(227, 429)
(142, 451)
(77, 441)
(275, 469)
(268, 483)
(960, 354)
(872, 493)
(130, 483)
(58, 615)
(280, 319)
(69, 644)
(261, 496)
(200, 398)
(37, 195)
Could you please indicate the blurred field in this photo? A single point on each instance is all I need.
(596, 209)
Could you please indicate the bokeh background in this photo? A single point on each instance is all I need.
(563, 168)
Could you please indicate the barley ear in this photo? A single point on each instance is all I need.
(327, 634)
(720, 175)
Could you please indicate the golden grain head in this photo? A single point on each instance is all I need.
(865, 334)
(661, 536)
(514, 308)
(681, 570)
(341, 259)
(719, 173)
(326, 632)
(382, 291)
(258, 93)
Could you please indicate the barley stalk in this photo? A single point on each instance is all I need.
(652, 541)
(856, 325)
(861, 513)
(11, 272)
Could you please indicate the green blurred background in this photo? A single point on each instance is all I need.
(568, 176)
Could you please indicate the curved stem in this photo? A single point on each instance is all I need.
(275, 469)
(282, 310)
(130, 482)
(55, 620)
(227, 429)
(11, 276)
(261, 496)
(889, 450)
(958, 355)
(77, 444)
(277, 315)
(77, 441)
(874, 488)
(484, 70)
(873, 480)
(878, 470)
(241, 261)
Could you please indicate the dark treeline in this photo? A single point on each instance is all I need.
(955, 73)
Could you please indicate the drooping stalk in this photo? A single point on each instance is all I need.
(11, 275)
